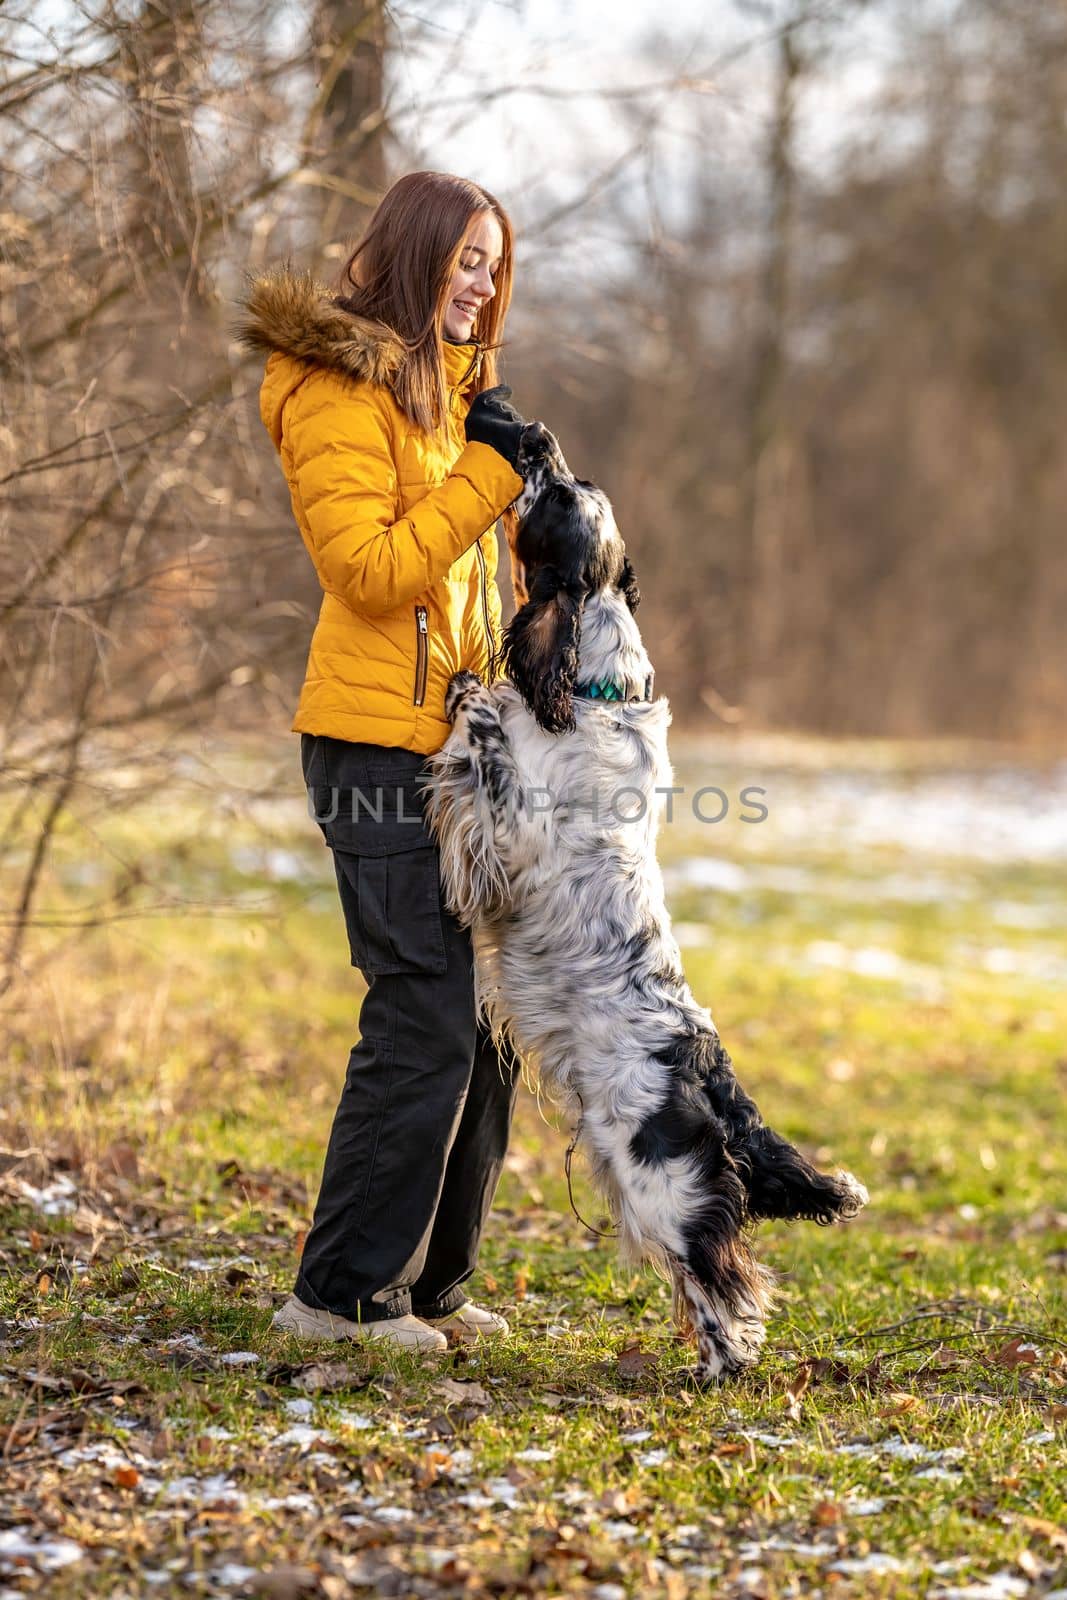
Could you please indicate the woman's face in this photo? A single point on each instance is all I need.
(473, 280)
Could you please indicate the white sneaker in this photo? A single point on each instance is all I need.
(306, 1323)
(469, 1320)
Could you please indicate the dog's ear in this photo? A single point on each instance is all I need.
(540, 650)
(627, 584)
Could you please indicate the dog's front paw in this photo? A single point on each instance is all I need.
(461, 685)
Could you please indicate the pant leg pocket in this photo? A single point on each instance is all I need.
(392, 907)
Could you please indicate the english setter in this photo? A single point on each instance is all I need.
(545, 801)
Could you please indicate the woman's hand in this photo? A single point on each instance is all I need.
(492, 421)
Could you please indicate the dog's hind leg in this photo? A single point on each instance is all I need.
(721, 1292)
(781, 1183)
(726, 1312)
(686, 1191)
(476, 805)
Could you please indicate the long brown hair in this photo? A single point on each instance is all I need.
(399, 274)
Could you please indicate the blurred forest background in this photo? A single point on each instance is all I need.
(792, 284)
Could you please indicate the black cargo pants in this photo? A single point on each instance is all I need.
(419, 1136)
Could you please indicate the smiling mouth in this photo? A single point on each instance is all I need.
(467, 309)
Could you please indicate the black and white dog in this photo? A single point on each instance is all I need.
(544, 802)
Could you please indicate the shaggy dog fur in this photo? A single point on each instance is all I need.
(546, 805)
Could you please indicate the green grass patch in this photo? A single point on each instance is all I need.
(167, 1099)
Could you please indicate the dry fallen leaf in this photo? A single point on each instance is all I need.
(1016, 1353)
(439, 1427)
(284, 1582)
(900, 1403)
(463, 1393)
(634, 1362)
(430, 1468)
(121, 1160)
(320, 1377)
(795, 1389)
(1052, 1531)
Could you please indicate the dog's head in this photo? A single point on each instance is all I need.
(564, 547)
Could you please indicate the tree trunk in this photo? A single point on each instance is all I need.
(348, 123)
(762, 509)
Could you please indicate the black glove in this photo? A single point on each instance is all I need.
(492, 421)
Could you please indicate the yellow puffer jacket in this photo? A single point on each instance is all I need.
(400, 525)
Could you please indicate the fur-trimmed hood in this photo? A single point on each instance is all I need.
(292, 313)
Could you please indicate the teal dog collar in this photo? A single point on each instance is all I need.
(611, 689)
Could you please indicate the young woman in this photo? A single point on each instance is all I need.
(399, 453)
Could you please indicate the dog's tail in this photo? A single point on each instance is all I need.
(781, 1183)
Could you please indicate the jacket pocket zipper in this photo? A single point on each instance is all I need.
(422, 651)
(489, 639)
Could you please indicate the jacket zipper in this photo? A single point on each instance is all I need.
(484, 586)
(422, 650)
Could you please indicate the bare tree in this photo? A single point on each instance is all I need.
(348, 120)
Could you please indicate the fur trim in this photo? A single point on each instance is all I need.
(291, 312)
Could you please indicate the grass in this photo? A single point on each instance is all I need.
(168, 1095)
